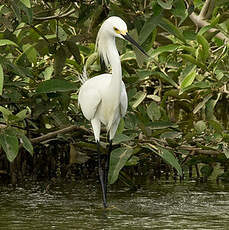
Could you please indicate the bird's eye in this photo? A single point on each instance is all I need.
(116, 30)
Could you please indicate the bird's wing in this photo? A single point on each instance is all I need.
(89, 99)
(90, 94)
(123, 100)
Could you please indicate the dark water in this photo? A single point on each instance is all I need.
(164, 205)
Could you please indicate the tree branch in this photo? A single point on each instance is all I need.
(196, 150)
(55, 133)
(207, 9)
(55, 16)
(193, 150)
(205, 13)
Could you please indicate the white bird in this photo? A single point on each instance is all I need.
(103, 99)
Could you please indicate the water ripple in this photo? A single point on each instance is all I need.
(78, 206)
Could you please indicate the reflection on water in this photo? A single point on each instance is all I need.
(166, 205)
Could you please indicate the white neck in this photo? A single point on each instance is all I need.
(114, 60)
(109, 53)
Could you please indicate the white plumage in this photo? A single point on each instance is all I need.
(103, 98)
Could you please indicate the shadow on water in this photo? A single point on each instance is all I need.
(167, 205)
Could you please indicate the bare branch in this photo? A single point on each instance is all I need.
(196, 150)
(207, 9)
(210, 9)
(55, 16)
(201, 23)
(206, 13)
(55, 133)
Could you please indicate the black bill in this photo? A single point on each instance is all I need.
(130, 39)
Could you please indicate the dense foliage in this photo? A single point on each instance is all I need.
(178, 97)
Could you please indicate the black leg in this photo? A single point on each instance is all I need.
(107, 163)
(101, 178)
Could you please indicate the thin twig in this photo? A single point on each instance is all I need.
(55, 133)
(55, 16)
(200, 151)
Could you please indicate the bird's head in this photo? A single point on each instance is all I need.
(116, 27)
(111, 28)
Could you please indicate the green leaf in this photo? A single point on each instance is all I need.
(162, 49)
(150, 25)
(59, 61)
(118, 160)
(200, 126)
(132, 161)
(204, 51)
(127, 56)
(31, 53)
(226, 153)
(61, 118)
(91, 59)
(166, 155)
(216, 126)
(140, 98)
(121, 127)
(1, 7)
(170, 135)
(138, 55)
(23, 114)
(16, 9)
(119, 138)
(1, 79)
(210, 107)
(23, 11)
(4, 42)
(197, 85)
(143, 74)
(19, 70)
(163, 125)
(206, 170)
(74, 50)
(204, 29)
(191, 59)
(6, 113)
(167, 4)
(188, 49)
(55, 85)
(153, 111)
(29, 14)
(165, 78)
(61, 34)
(27, 144)
(10, 146)
(224, 176)
(189, 78)
(213, 24)
(26, 3)
(202, 103)
(179, 10)
(49, 37)
(170, 158)
(172, 29)
(47, 73)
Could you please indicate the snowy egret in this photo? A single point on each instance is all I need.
(103, 98)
